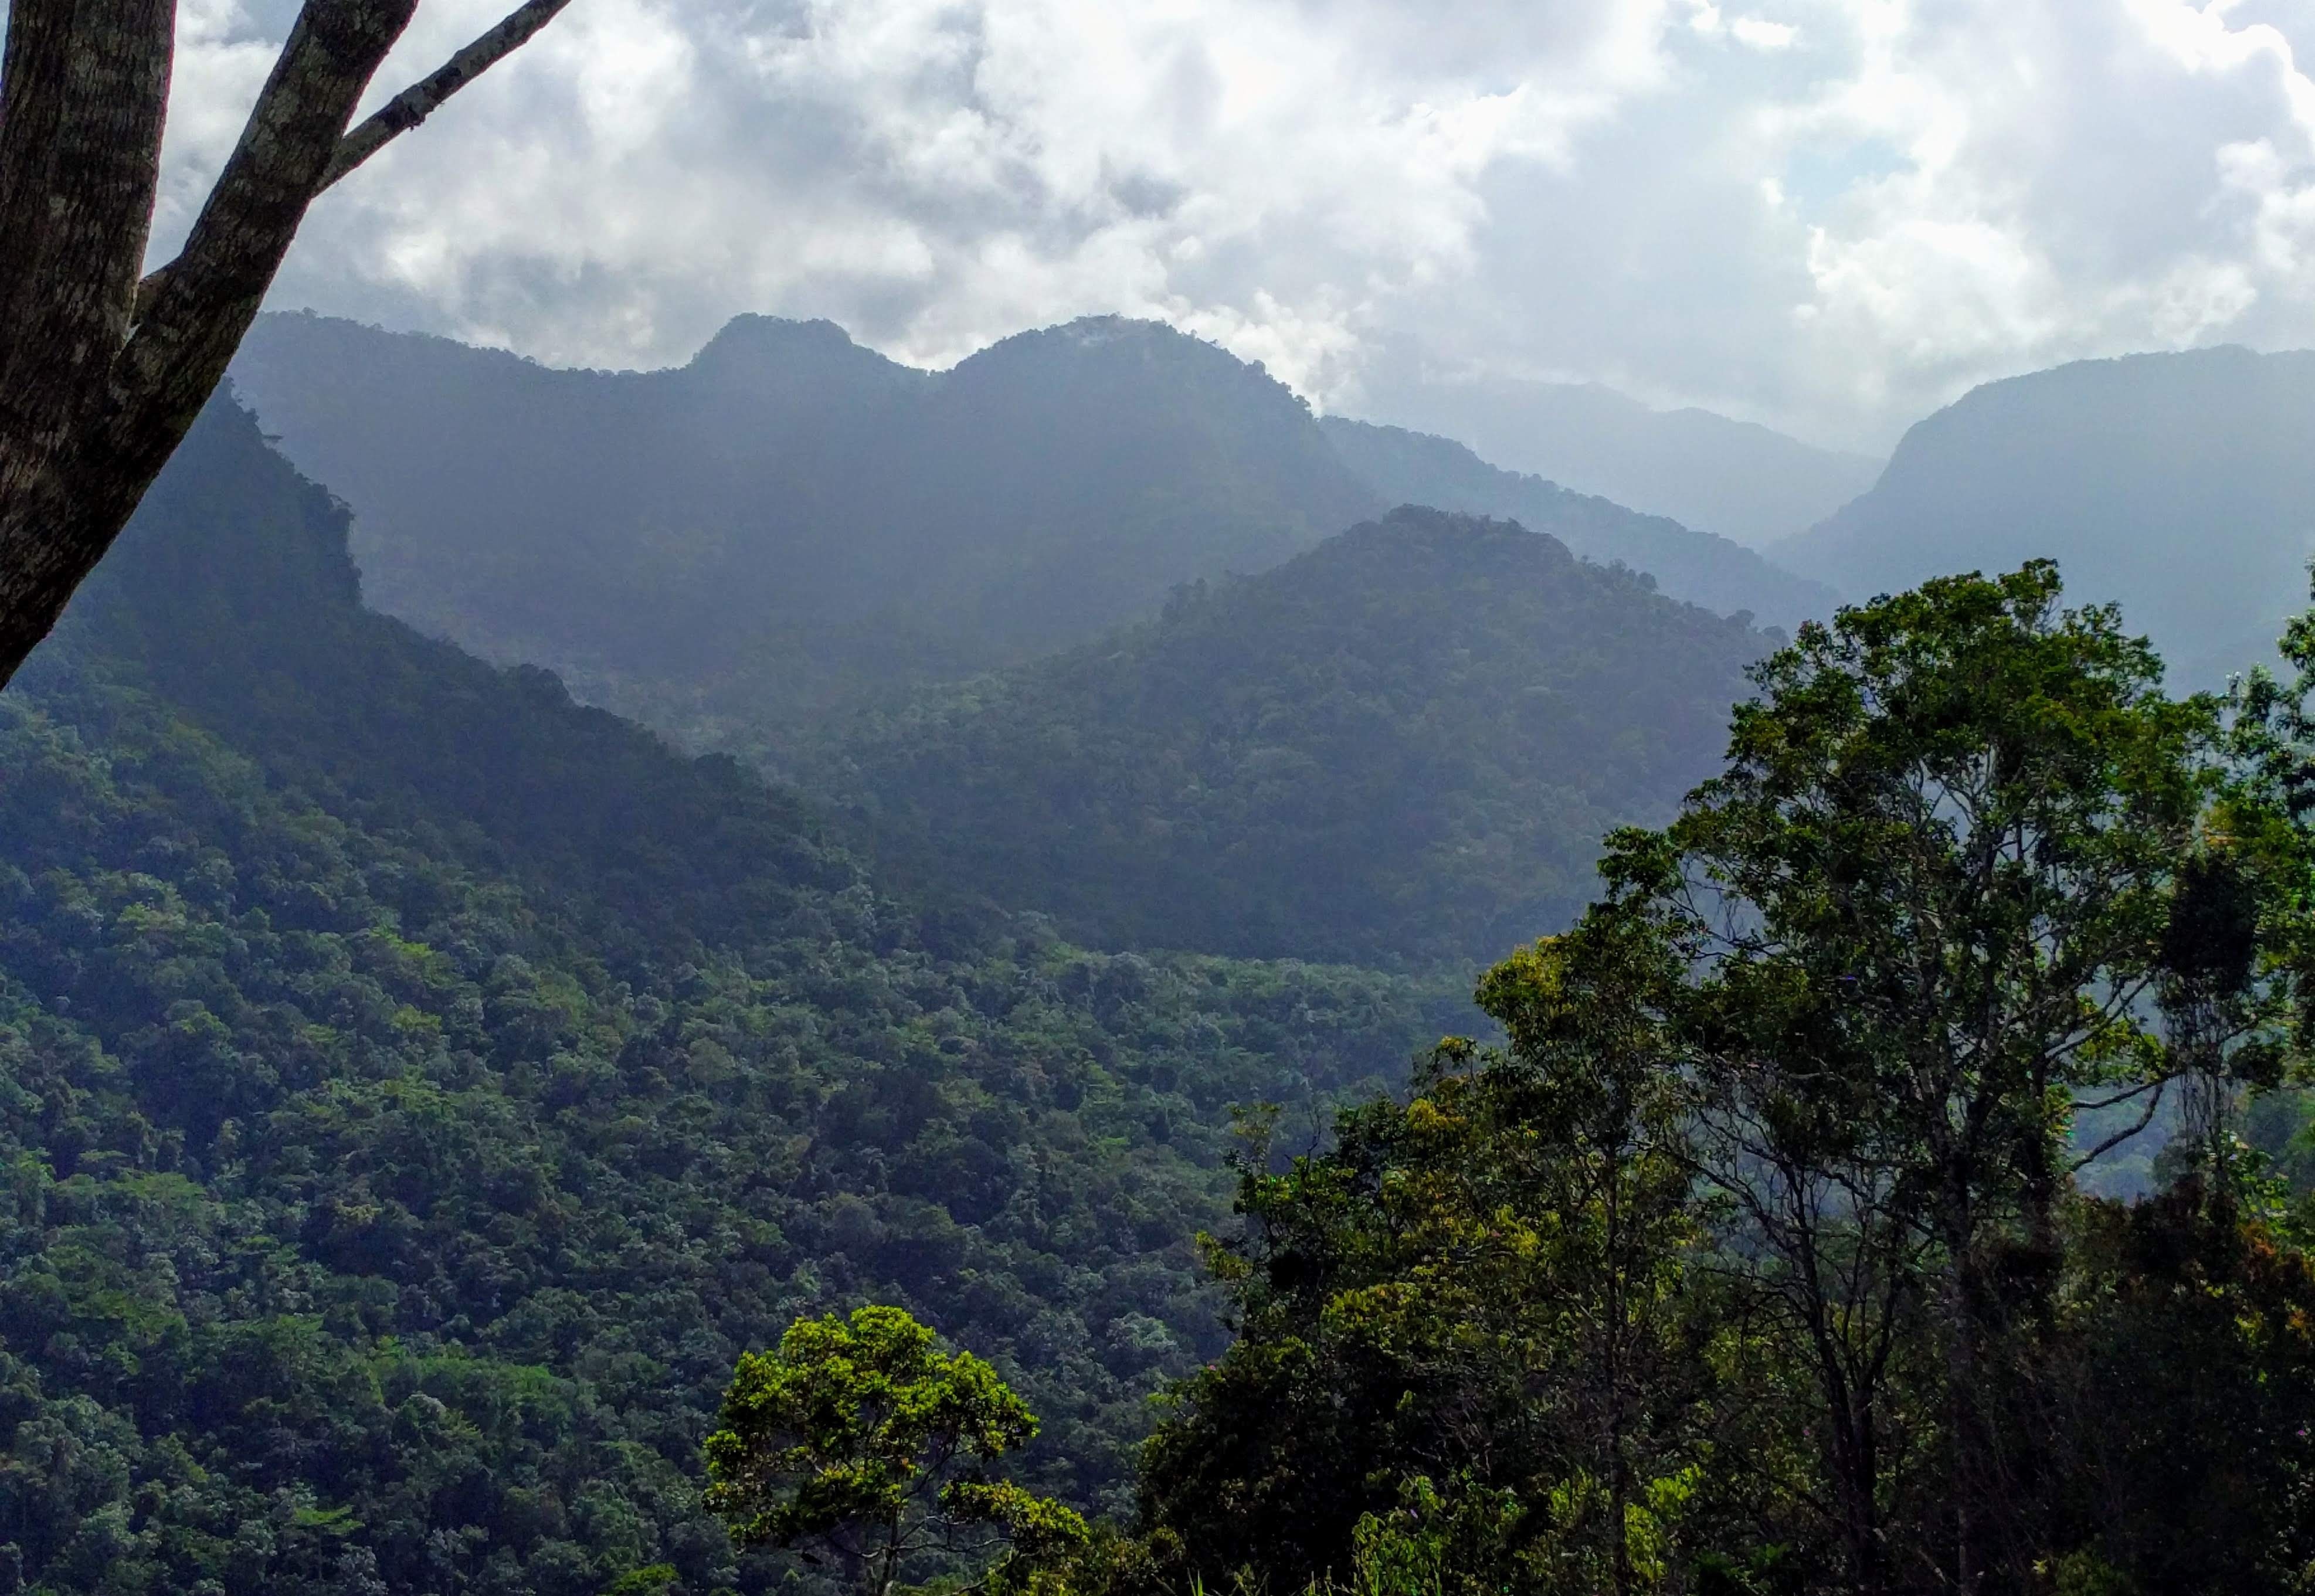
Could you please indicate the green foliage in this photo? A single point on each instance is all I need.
(1468, 1351)
(416, 1091)
(862, 1434)
(2203, 1477)
(1754, 1261)
(1403, 748)
(1968, 868)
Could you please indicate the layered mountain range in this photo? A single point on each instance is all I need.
(419, 1085)
(416, 1089)
(1401, 748)
(790, 520)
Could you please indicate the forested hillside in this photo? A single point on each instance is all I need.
(1404, 746)
(418, 1089)
(1412, 468)
(790, 518)
(2179, 485)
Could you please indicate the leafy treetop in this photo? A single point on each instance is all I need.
(864, 1435)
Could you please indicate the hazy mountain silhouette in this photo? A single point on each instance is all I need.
(2182, 485)
(791, 521)
(1404, 745)
(790, 515)
(1735, 478)
(1415, 468)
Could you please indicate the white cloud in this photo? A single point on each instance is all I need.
(1826, 214)
(1762, 34)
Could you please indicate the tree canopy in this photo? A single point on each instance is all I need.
(1401, 748)
(416, 1091)
(1755, 1258)
(864, 1435)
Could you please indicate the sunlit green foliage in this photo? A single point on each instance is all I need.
(864, 1436)
(1818, 1051)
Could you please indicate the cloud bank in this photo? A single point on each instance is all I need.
(1826, 215)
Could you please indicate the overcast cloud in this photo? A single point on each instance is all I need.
(1827, 215)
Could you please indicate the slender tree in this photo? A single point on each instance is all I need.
(1929, 903)
(103, 367)
(1467, 1359)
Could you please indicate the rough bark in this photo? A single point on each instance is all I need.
(101, 376)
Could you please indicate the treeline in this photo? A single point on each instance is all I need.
(1756, 1259)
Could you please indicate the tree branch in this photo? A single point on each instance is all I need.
(421, 99)
(86, 89)
(32, 110)
(410, 108)
(101, 376)
(72, 473)
(194, 319)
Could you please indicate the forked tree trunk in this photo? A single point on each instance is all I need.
(101, 376)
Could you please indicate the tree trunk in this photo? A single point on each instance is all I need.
(101, 376)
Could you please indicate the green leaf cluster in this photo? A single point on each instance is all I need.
(1762, 1255)
(864, 1435)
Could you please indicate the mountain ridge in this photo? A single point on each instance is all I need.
(789, 513)
(1739, 480)
(789, 521)
(2131, 472)
(1401, 747)
(1694, 567)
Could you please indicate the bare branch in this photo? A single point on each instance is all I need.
(2153, 1106)
(86, 89)
(408, 109)
(101, 376)
(190, 325)
(77, 465)
(32, 110)
(421, 99)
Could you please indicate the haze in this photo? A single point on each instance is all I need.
(1827, 216)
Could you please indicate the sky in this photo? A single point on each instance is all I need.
(1829, 215)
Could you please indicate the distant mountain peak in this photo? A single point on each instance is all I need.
(1121, 342)
(1708, 472)
(2178, 483)
(777, 352)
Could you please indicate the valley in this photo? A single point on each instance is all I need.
(426, 1082)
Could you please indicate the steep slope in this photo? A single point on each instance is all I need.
(1734, 478)
(789, 517)
(416, 1089)
(1414, 468)
(2182, 485)
(1404, 745)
